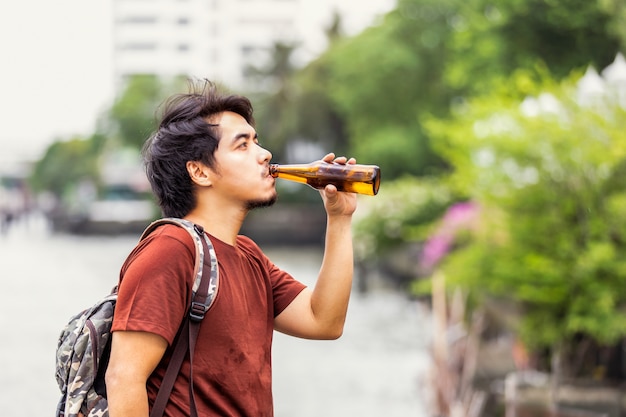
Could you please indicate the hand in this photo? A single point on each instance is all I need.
(338, 203)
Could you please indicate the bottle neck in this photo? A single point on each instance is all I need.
(297, 169)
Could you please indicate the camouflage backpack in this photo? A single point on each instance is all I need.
(84, 344)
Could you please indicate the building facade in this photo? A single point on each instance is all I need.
(219, 39)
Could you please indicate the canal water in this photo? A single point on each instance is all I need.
(378, 367)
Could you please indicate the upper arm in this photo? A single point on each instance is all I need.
(298, 319)
(134, 355)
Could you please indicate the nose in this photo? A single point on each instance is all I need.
(265, 155)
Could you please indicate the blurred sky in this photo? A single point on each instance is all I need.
(56, 70)
(55, 74)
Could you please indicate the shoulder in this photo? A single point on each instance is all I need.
(163, 244)
(245, 241)
(247, 245)
(171, 233)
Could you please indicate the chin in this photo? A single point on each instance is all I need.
(268, 202)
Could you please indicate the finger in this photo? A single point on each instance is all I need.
(351, 161)
(341, 160)
(329, 157)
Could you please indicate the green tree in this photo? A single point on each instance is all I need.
(274, 105)
(617, 10)
(382, 79)
(318, 119)
(551, 186)
(132, 118)
(64, 165)
(430, 56)
(491, 39)
(68, 163)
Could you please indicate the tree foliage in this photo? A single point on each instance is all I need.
(552, 189)
(380, 81)
(428, 56)
(64, 165)
(132, 118)
(126, 124)
(274, 104)
(492, 39)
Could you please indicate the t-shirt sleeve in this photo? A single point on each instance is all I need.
(285, 288)
(155, 284)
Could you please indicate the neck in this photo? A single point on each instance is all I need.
(221, 222)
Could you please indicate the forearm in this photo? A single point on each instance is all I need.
(329, 301)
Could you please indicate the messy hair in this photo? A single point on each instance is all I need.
(184, 134)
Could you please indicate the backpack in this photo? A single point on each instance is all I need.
(84, 343)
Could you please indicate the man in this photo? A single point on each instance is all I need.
(205, 164)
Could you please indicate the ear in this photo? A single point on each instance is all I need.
(199, 173)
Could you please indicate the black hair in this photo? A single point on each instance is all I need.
(185, 134)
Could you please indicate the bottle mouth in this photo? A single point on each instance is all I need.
(376, 181)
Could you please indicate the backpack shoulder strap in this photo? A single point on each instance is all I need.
(189, 227)
(205, 288)
(203, 246)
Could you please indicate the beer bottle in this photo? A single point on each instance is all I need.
(352, 178)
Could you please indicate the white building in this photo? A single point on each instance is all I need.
(216, 39)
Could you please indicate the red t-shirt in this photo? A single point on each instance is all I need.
(232, 360)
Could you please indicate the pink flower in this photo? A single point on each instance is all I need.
(458, 217)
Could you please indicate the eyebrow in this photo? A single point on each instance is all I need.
(244, 136)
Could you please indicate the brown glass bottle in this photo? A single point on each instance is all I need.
(352, 178)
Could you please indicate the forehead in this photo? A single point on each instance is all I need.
(228, 120)
(231, 127)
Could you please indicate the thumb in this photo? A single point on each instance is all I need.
(330, 194)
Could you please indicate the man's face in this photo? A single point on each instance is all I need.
(242, 165)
